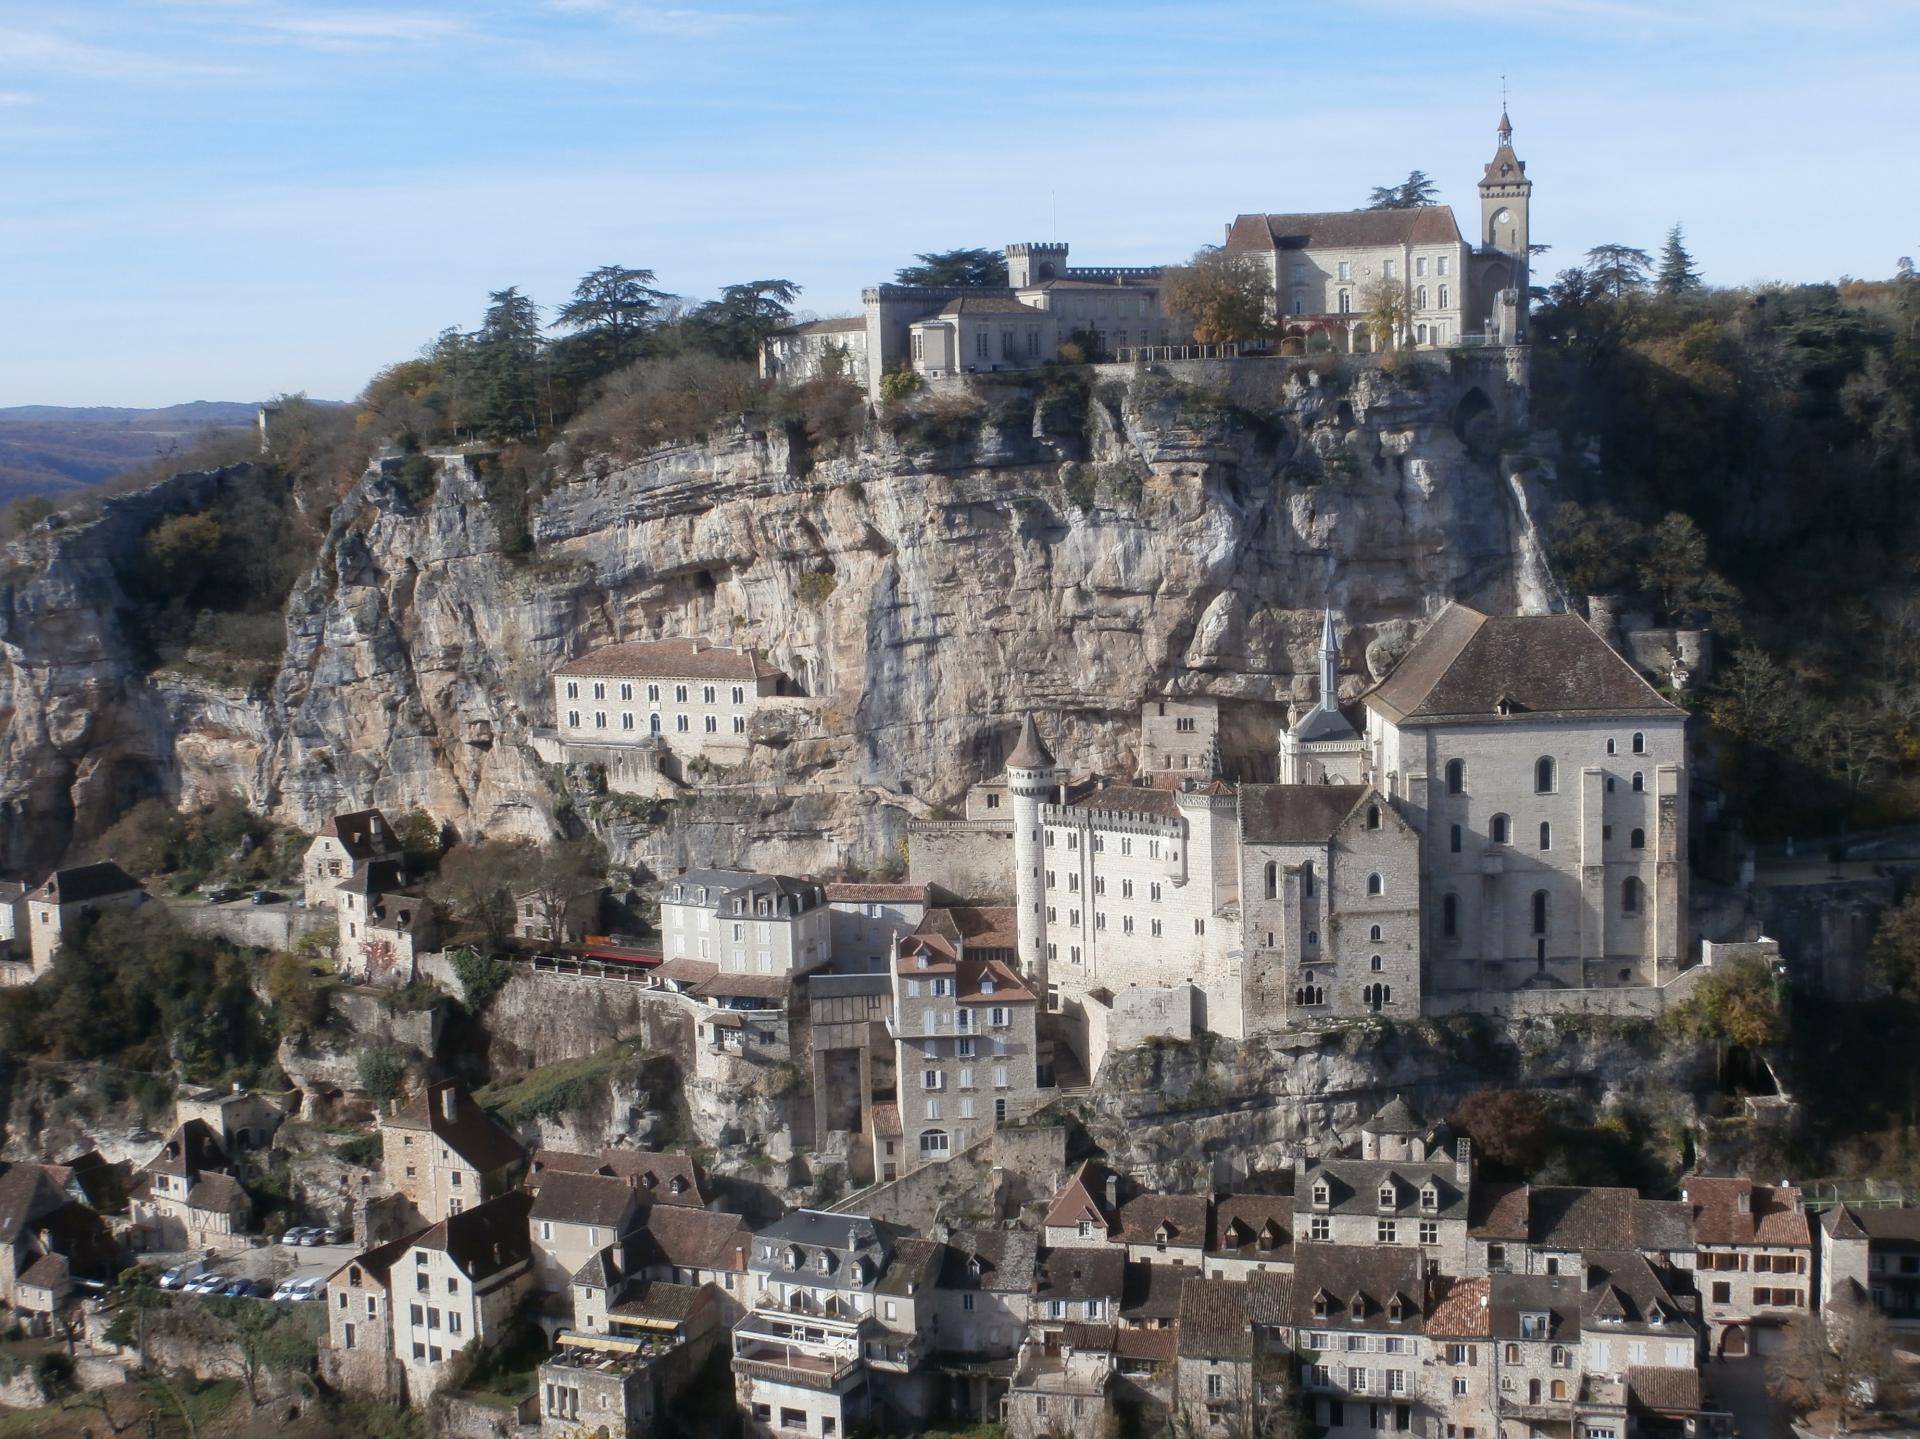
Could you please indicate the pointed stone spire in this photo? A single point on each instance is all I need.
(1329, 663)
(1505, 131)
(1031, 752)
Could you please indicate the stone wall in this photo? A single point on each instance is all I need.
(969, 858)
(263, 926)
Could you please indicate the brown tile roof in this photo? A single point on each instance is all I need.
(1667, 1391)
(598, 1199)
(693, 972)
(1093, 1338)
(916, 1263)
(1083, 1196)
(1461, 1309)
(986, 926)
(85, 882)
(1598, 1218)
(1213, 1319)
(191, 1147)
(996, 1260)
(1185, 1215)
(846, 325)
(1155, 1346)
(669, 659)
(1253, 1226)
(485, 1240)
(1270, 1298)
(1515, 1296)
(877, 893)
(990, 305)
(1344, 229)
(1126, 799)
(473, 1134)
(1295, 813)
(1152, 1292)
(1773, 1215)
(745, 986)
(26, 1195)
(653, 1174)
(886, 1119)
(657, 1300)
(559, 1161)
(377, 1263)
(1498, 1211)
(218, 1194)
(363, 834)
(698, 1238)
(1898, 1225)
(1342, 1272)
(974, 976)
(1081, 1274)
(49, 1271)
(1466, 664)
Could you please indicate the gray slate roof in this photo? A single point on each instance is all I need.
(1295, 813)
(1355, 1188)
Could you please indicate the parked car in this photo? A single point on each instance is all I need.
(208, 1283)
(181, 1275)
(311, 1287)
(222, 895)
(267, 896)
(244, 1289)
(296, 1235)
(287, 1286)
(333, 1234)
(314, 1235)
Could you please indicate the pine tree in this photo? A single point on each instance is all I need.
(1677, 273)
(506, 351)
(1620, 268)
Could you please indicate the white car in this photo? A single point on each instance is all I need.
(308, 1288)
(209, 1283)
(287, 1286)
(296, 1236)
(181, 1275)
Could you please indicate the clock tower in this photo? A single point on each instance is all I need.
(1506, 194)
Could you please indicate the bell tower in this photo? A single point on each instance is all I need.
(1506, 197)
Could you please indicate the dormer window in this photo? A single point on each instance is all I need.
(1395, 1309)
(986, 984)
(1389, 1196)
(1320, 1305)
(679, 1185)
(1322, 1194)
(795, 1258)
(1085, 1229)
(1429, 1197)
(826, 1263)
(1357, 1309)
(1657, 1317)
(923, 959)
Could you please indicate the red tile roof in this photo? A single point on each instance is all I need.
(1344, 229)
(877, 893)
(1773, 1215)
(1461, 1310)
(670, 659)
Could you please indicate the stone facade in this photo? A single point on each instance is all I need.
(746, 923)
(696, 699)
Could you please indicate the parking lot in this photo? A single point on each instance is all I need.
(271, 1264)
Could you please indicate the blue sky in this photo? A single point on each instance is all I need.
(224, 199)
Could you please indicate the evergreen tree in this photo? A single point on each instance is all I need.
(1677, 273)
(733, 326)
(1620, 269)
(611, 309)
(1415, 192)
(956, 269)
(506, 352)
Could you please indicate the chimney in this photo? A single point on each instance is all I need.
(1743, 1199)
(853, 1238)
(373, 824)
(1463, 1163)
(449, 1102)
(1113, 1190)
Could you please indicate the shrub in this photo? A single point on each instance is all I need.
(380, 1072)
(815, 588)
(481, 977)
(364, 1151)
(674, 399)
(897, 385)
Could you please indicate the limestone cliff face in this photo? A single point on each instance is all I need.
(1072, 549)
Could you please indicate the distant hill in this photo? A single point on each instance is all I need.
(51, 449)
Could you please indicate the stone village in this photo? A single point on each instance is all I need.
(1494, 823)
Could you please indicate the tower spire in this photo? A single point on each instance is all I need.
(1329, 662)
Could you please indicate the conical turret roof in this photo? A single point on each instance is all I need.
(1031, 752)
(1396, 1116)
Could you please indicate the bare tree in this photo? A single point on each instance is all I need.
(1841, 1360)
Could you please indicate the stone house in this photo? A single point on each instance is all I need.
(16, 954)
(1459, 1361)
(1534, 1345)
(694, 698)
(457, 1284)
(399, 930)
(1085, 1211)
(68, 894)
(42, 1292)
(966, 1039)
(346, 845)
(356, 898)
(1150, 1295)
(1214, 1379)
(244, 1121)
(359, 1354)
(1332, 907)
(540, 919)
(1179, 739)
(1641, 1342)
(746, 923)
(1566, 1223)
(1359, 1321)
(1548, 781)
(818, 348)
(445, 1153)
(979, 1305)
(979, 333)
(1872, 1256)
(868, 920)
(657, 1177)
(1753, 1261)
(45, 1212)
(574, 1217)
(799, 1355)
(1399, 1194)
(1064, 1384)
(186, 1196)
(1077, 1286)
(620, 1381)
(676, 1245)
(1165, 1229)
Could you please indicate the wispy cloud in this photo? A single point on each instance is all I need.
(345, 28)
(685, 22)
(42, 51)
(12, 98)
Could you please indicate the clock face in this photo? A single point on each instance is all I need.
(1503, 217)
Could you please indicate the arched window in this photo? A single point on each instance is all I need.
(1610, 746)
(1453, 839)
(1306, 879)
(1543, 775)
(1637, 840)
(1639, 782)
(1546, 835)
(1497, 829)
(653, 724)
(1375, 884)
(1639, 742)
(1420, 297)
(1630, 895)
(1377, 963)
(1444, 301)
(1313, 938)
(1374, 934)
(1373, 816)
(1273, 880)
(1456, 776)
(1346, 302)
(933, 1141)
(1450, 916)
(1539, 911)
